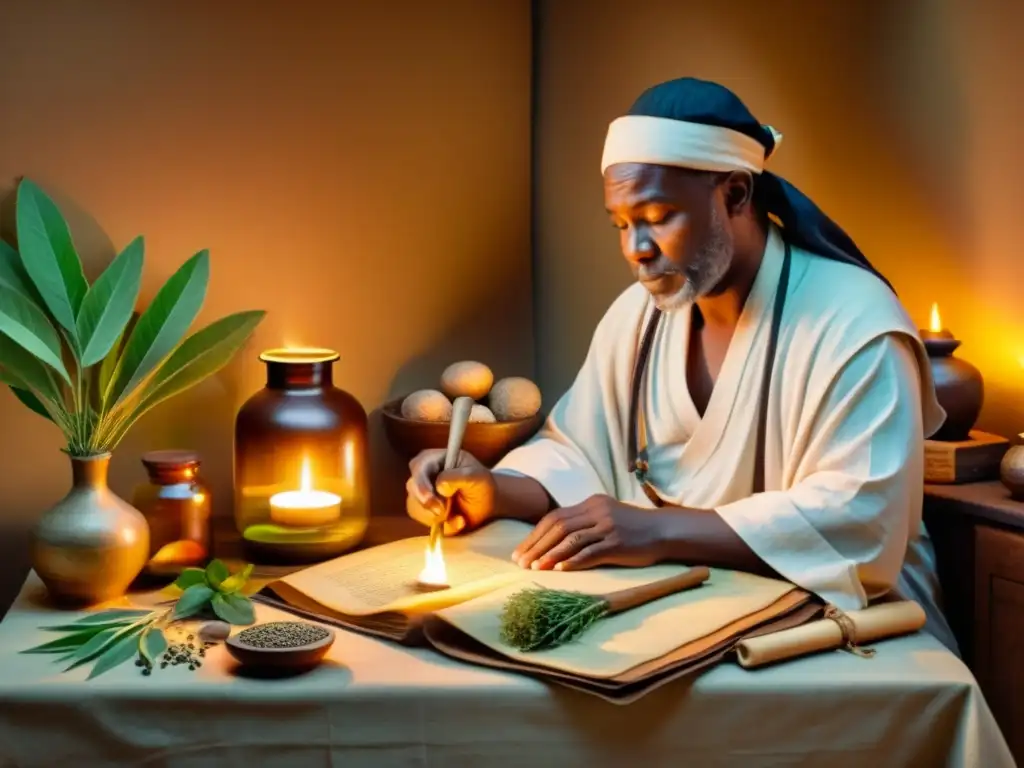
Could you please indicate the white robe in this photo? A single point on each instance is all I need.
(850, 404)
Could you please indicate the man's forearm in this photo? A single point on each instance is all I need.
(521, 498)
(702, 537)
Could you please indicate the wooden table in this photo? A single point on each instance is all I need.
(978, 532)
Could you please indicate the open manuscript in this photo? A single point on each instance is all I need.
(375, 590)
(623, 656)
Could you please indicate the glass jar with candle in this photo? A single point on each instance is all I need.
(301, 474)
(176, 504)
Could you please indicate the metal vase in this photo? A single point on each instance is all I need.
(92, 545)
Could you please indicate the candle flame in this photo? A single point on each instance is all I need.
(306, 476)
(936, 324)
(434, 571)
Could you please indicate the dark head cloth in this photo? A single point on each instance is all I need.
(803, 223)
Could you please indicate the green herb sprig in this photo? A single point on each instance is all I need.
(110, 638)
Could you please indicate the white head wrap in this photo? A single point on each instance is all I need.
(663, 141)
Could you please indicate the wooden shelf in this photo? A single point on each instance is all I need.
(978, 534)
(989, 501)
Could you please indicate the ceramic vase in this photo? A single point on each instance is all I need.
(1011, 470)
(91, 545)
(959, 389)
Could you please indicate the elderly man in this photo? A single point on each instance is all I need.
(758, 400)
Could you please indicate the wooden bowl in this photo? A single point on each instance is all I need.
(487, 442)
(297, 659)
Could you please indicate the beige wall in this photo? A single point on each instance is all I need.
(901, 120)
(362, 173)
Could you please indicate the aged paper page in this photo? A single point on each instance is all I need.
(618, 643)
(384, 578)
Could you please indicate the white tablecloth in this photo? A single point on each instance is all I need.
(380, 705)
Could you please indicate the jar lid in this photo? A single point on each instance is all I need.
(299, 355)
(170, 459)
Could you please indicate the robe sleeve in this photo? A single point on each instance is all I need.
(841, 529)
(571, 455)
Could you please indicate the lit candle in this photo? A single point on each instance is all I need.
(434, 573)
(936, 331)
(305, 507)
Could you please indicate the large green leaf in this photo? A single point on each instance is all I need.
(27, 371)
(68, 642)
(105, 374)
(13, 275)
(236, 581)
(202, 354)
(49, 255)
(161, 326)
(216, 572)
(109, 303)
(29, 400)
(152, 644)
(192, 601)
(117, 653)
(234, 609)
(190, 577)
(95, 645)
(26, 325)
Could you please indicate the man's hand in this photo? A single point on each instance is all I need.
(599, 531)
(470, 486)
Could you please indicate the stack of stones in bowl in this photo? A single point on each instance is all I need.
(508, 399)
(506, 413)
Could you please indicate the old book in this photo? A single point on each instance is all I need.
(621, 657)
(375, 590)
(964, 461)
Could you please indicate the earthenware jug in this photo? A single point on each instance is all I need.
(92, 544)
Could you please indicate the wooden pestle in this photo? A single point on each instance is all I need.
(625, 599)
(456, 430)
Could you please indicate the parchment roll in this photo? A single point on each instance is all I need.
(873, 623)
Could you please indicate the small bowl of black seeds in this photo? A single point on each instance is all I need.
(281, 645)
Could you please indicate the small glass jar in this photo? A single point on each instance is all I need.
(176, 504)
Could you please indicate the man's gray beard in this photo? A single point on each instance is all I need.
(705, 272)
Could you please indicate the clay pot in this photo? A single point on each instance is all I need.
(91, 545)
(958, 387)
(1011, 470)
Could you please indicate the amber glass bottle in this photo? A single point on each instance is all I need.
(176, 504)
(301, 464)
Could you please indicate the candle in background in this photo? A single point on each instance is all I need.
(306, 507)
(935, 330)
(299, 416)
(958, 384)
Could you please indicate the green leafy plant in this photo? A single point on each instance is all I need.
(214, 589)
(110, 638)
(79, 354)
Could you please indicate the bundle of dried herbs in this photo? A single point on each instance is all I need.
(110, 638)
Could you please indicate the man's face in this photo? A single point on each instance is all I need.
(674, 230)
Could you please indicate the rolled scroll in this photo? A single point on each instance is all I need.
(837, 630)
